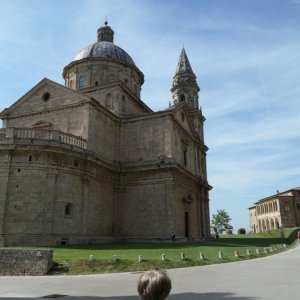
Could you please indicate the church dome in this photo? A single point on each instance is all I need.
(103, 62)
(105, 48)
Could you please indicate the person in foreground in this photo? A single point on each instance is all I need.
(154, 285)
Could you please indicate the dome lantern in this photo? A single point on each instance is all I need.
(105, 34)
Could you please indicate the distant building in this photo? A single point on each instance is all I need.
(90, 161)
(279, 210)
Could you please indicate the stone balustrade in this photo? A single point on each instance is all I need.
(42, 135)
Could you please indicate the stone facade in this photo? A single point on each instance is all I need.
(90, 162)
(25, 262)
(281, 210)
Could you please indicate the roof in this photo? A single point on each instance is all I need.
(184, 65)
(105, 49)
(282, 194)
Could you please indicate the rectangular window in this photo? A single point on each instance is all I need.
(185, 157)
(197, 160)
(286, 206)
(297, 205)
(82, 82)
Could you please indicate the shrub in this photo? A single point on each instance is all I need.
(242, 231)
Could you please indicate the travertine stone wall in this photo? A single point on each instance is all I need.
(116, 98)
(25, 262)
(145, 139)
(38, 189)
(70, 115)
(101, 71)
(103, 134)
(185, 201)
(144, 197)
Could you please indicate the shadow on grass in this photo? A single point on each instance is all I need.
(182, 296)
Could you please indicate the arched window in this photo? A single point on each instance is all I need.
(272, 224)
(276, 223)
(263, 225)
(182, 98)
(259, 226)
(268, 224)
(82, 82)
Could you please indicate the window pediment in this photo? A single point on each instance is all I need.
(188, 200)
(42, 124)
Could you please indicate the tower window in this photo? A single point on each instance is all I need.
(71, 84)
(185, 156)
(68, 209)
(96, 82)
(82, 82)
(182, 98)
(191, 101)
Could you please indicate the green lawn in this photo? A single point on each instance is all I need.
(75, 259)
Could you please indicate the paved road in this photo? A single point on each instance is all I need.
(273, 277)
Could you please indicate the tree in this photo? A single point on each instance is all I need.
(241, 231)
(220, 221)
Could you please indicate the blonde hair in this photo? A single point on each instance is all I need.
(154, 285)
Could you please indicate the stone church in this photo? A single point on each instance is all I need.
(90, 162)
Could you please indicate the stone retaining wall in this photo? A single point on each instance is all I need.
(25, 262)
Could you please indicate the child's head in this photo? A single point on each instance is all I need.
(154, 285)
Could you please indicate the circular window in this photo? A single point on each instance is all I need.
(46, 96)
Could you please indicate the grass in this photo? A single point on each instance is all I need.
(75, 259)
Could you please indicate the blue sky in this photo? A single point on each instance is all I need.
(245, 54)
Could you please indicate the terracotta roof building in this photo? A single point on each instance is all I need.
(273, 212)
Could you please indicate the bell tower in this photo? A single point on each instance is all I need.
(185, 87)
